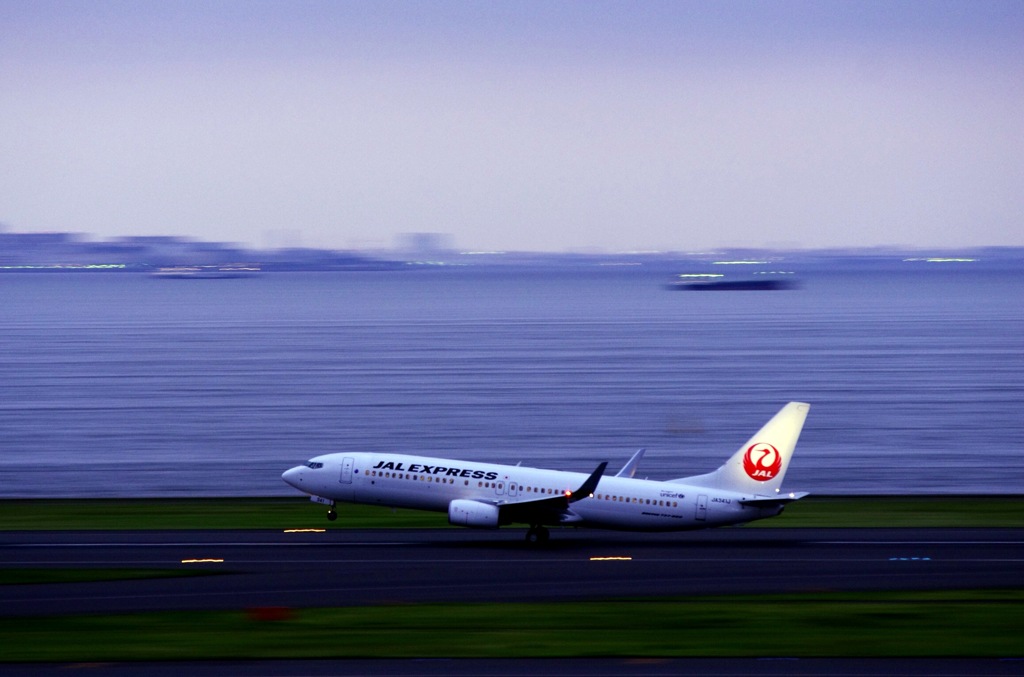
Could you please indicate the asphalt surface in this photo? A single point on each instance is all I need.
(358, 567)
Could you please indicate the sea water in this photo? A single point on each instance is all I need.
(116, 384)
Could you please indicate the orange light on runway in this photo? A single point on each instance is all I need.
(304, 531)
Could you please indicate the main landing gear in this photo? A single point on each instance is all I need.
(537, 535)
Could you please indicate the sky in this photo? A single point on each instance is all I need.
(519, 125)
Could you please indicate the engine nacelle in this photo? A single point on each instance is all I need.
(465, 513)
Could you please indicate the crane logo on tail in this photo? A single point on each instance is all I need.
(762, 462)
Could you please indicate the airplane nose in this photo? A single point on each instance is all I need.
(293, 476)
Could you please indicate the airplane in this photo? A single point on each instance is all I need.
(747, 487)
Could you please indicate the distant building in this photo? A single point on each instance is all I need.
(70, 250)
(19, 249)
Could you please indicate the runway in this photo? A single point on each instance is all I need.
(360, 567)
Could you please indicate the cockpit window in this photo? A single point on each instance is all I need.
(314, 466)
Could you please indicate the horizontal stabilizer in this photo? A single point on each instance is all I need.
(780, 499)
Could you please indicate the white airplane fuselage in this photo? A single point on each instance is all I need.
(425, 483)
(488, 495)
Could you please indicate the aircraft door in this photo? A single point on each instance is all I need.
(513, 489)
(346, 470)
(702, 508)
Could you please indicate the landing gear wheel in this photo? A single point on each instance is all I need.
(537, 535)
(332, 514)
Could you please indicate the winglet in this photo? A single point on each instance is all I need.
(587, 488)
(629, 469)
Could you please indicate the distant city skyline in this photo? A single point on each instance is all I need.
(527, 126)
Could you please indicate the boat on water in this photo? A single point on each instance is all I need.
(719, 282)
(205, 272)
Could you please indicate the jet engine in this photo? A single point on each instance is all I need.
(465, 513)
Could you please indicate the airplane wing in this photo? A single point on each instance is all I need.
(551, 510)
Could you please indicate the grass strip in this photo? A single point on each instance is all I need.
(203, 513)
(975, 623)
(285, 513)
(902, 511)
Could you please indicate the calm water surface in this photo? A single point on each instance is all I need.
(122, 385)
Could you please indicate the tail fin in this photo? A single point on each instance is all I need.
(759, 465)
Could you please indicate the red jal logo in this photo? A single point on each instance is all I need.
(762, 462)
